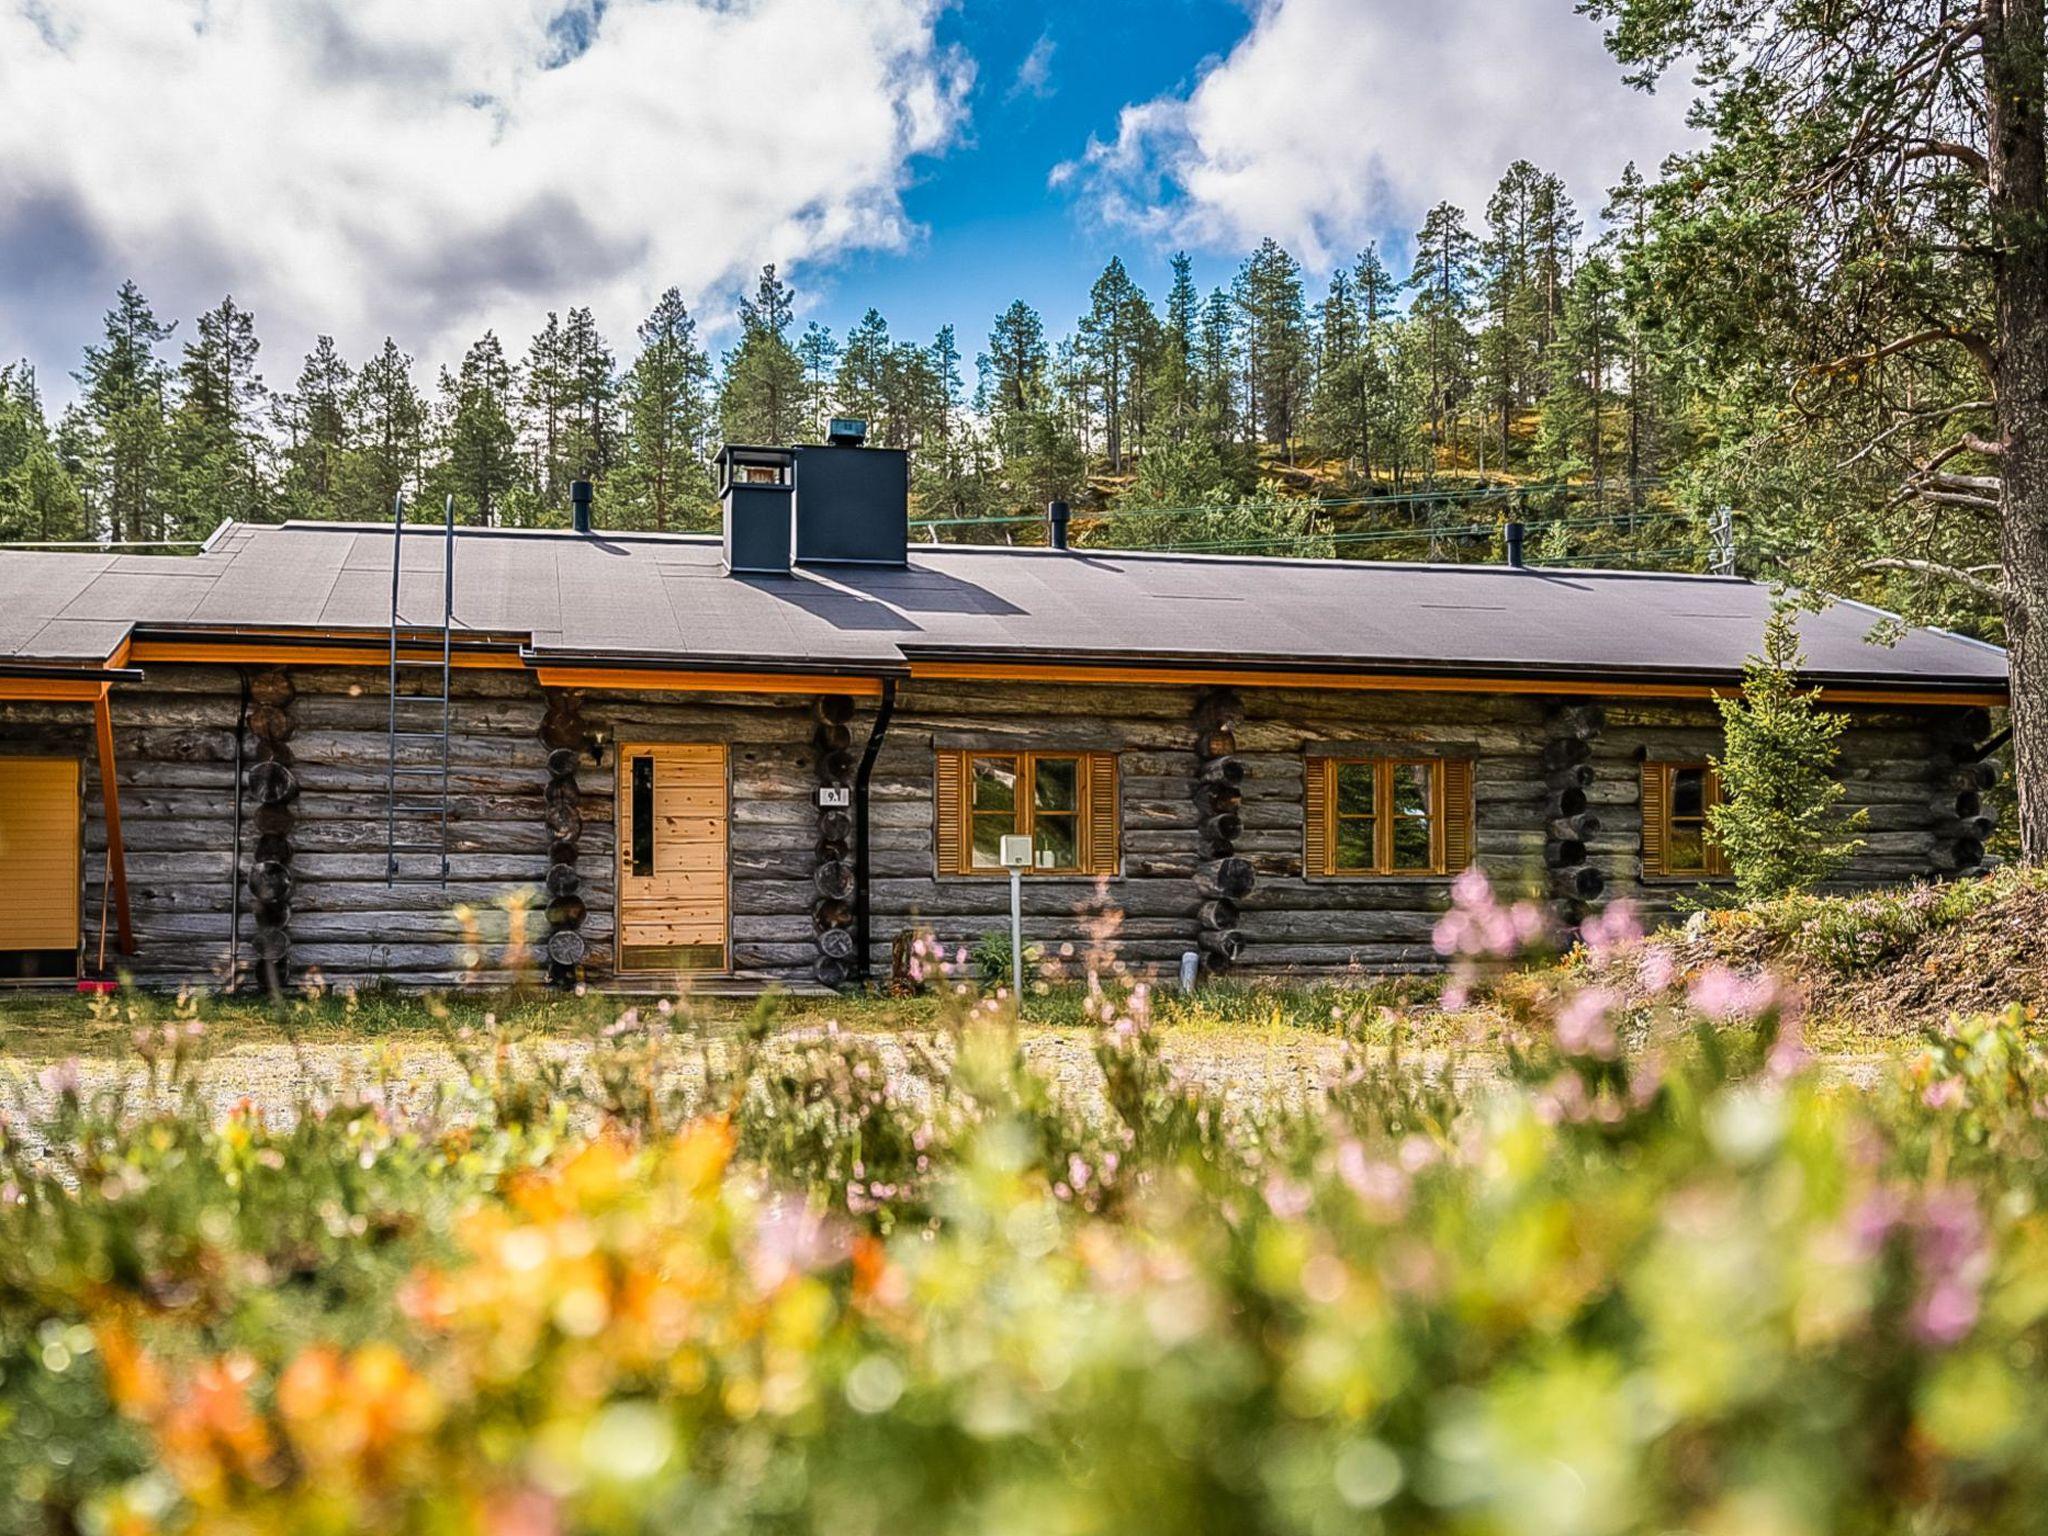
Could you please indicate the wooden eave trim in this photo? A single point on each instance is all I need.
(654, 679)
(84, 690)
(373, 654)
(110, 804)
(1060, 672)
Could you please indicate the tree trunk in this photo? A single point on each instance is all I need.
(2013, 45)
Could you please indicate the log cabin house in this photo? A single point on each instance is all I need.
(433, 755)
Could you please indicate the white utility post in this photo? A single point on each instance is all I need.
(1016, 855)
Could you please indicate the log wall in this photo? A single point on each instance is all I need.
(175, 738)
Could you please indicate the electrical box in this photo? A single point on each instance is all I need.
(834, 797)
(1016, 852)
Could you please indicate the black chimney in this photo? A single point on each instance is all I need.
(1512, 534)
(1056, 524)
(579, 505)
(757, 488)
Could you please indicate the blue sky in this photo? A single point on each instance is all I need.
(991, 229)
(373, 168)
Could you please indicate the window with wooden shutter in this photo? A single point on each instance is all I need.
(1386, 816)
(1065, 802)
(1678, 833)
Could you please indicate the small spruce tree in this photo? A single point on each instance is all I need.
(1780, 821)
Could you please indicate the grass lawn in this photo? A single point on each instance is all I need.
(53, 1025)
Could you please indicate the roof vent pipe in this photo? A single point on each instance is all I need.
(579, 505)
(1512, 535)
(1056, 524)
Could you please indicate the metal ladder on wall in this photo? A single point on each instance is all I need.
(416, 792)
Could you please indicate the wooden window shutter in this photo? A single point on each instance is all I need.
(1653, 818)
(1717, 857)
(1315, 813)
(1105, 815)
(950, 791)
(1458, 814)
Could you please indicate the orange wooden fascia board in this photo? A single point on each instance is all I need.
(373, 655)
(54, 689)
(650, 679)
(1060, 672)
(110, 803)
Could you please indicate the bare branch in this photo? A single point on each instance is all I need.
(1983, 445)
(1969, 341)
(1953, 573)
(1989, 484)
(1955, 499)
(1942, 149)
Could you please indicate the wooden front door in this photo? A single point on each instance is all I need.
(39, 868)
(674, 818)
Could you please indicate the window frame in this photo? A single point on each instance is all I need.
(1714, 861)
(1386, 767)
(1088, 834)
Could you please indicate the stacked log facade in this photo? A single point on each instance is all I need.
(1211, 820)
(270, 791)
(566, 738)
(1571, 822)
(1223, 880)
(832, 910)
(1963, 772)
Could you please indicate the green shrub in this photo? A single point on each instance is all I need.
(1780, 823)
(765, 1279)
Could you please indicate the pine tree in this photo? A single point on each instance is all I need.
(1112, 344)
(1217, 365)
(1177, 388)
(590, 438)
(1780, 823)
(1270, 303)
(762, 396)
(480, 464)
(1339, 339)
(216, 435)
(664, 480)
(819, 354)
(1628, 215)
(125, 386)
(546, 412)
(1582, 355)
(387, 426)
(314, 421)
(861, 387)
(39, 499)
(1442, 282)
(1508, 350)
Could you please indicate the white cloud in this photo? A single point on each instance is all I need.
(430, 167)
(1334, 120)
(1034, 74)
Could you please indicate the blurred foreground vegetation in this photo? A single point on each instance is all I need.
(1661, 1278)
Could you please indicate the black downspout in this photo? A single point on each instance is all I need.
(863, 916)
(235, 874)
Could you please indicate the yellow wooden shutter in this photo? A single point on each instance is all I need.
(1654, 803)
(1315, 814)
(1105, 814)
(950, 790)
(1457, 814)
(39, 875)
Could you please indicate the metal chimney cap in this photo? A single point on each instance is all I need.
(1056, 515)
(579, 505)
(1511, 536)
(846, 432)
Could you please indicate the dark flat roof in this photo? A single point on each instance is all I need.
(630, 597)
